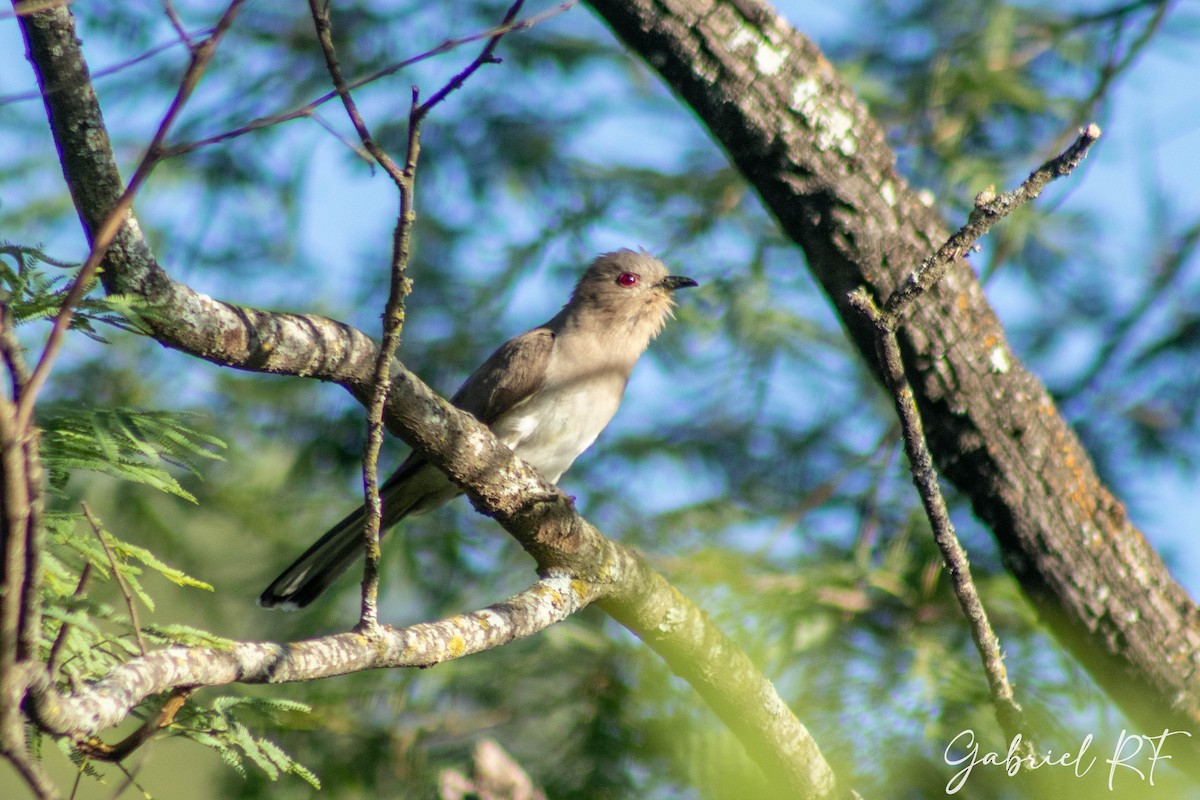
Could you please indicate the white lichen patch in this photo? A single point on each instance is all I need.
(768, 59)
(834, 126)
(888, 192)
(999, 360)
(838, 131)
(805, 93)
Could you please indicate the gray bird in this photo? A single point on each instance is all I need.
(546, 394)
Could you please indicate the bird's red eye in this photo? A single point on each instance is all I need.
(627, 279)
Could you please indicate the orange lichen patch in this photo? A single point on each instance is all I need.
(551, 592)
(1083, 490)
(1086, 486)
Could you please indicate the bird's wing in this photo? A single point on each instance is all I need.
(510, 375)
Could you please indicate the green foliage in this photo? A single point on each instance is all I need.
(219, 727)
(87, 637)
(134, 445)
(30, 293)
(92, 635)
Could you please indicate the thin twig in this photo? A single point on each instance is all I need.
(324, 26)
(1163, 284)
(103, 72)
(355, 148)
(400, 286)
(487, 56)
(989, 209)
(307, 109)
(94, 748)
(1116, 66)
(1008, 712)
(107, 231)
(368, 619)
(177, 23)
(60, 639)
(31, 770)
(112, 560)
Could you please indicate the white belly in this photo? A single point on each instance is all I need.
(555, 425)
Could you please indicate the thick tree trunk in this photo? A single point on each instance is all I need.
(809, 148)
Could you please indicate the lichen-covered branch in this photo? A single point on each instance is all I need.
(108, 702)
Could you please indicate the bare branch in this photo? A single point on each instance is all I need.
(989, 209)
(486, 57)
(104, 72)
(60, 639)
(94, 748)
(307, 109)
(107, 702)
(177, 24)
(120, 579)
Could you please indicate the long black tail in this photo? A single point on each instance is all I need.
(319, 566)
(416, 487)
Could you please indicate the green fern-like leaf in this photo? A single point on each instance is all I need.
(220, 728)
(144, 556)
(270, 707)
(32, 294)
(134, 445)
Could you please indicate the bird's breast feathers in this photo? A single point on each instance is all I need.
(554, 425)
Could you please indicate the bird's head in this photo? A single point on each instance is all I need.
(628, 290)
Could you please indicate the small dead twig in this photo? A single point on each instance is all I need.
(400, 286)
(98, 750)
(990, 208)
(60, 639)
(105, 234)
(309, 108)
(112, 560)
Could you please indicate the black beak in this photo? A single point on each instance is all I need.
(673, 282)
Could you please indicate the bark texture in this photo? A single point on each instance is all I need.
(810, 149)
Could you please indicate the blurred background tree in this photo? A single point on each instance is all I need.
(755, 460)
